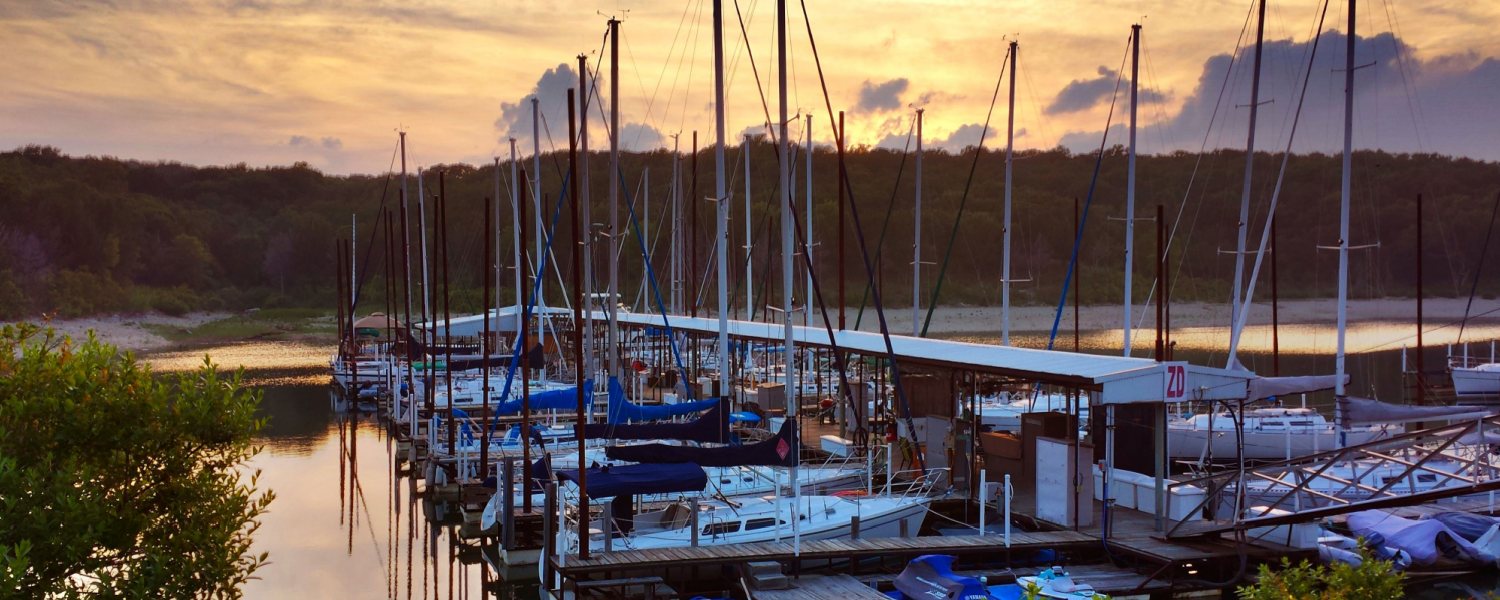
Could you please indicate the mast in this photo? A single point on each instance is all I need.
(677, 227)
(583, 205)
(422, 225)
(611, 336)
(1135, 60)
(1338, 380)
(1241, 305)
(840, 185)
(494, 214)
(1421, 381)
(404, 232)
(916, 252)
(536, 201)
(1010, 131)
(581, 418)
(517, 207)
(808, 206)
(721, 197)
(785, 166)
(749, 243)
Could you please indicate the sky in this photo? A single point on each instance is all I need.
(330, 82)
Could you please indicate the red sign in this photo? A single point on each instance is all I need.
(1176, 382)
(782, 448)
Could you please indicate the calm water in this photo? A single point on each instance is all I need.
(341, 523)
(316, 458)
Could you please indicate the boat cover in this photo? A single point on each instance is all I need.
(712, 427)
(1353, 412)
(622, 410)
(1426, 541)
(932, 576)
(779, 451)
(1269, 387)
(608, 481)
(559, 399)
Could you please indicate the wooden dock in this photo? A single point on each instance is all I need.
(659, 558)
(815, 587)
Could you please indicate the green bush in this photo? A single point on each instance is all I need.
(1371, 580)
(117, 483)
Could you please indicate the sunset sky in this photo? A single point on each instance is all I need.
(329, 82)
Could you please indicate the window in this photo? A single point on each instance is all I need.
(1302, 423)
(1427, 478)
(1386, 480)
(1270, 423)
(714, 529)
(754, 524)
(725, 481)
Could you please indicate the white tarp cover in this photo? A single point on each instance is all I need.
(1426, 541)
(1354, 412)
(1267, 387)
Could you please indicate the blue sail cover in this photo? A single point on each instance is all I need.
(779, 451)
(560, 399)
(630, 480)
(710, 428)
(623, 411)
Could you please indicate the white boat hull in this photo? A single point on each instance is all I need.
(1479, 381)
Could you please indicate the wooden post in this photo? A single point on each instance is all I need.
(609, 526)
(693, 520)
(508, 501)
(549, 538)
(854, 527)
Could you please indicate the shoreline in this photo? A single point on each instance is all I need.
(156, 332)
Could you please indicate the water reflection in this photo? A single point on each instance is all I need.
(342, 522)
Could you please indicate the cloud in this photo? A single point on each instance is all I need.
(327, 143)
(1082, 94)
(1447, 110)
(880, 97)
(964, 137)
(641, 137)
(551, 93)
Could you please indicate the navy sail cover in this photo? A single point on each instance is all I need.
(622, 410)
(712, 427)
(779, 451)
(630, 480)
(559, 399)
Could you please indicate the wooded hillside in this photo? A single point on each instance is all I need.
(82, 235)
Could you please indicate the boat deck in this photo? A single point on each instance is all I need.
(817, 587)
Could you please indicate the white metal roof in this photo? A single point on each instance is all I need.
(1120, 379)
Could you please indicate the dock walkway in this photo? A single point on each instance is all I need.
(819, 550)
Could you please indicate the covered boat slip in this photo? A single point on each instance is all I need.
(1117, 379)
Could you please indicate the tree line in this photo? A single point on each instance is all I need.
(87, 235)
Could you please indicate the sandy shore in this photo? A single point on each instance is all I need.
(956, 319)
(127, 332)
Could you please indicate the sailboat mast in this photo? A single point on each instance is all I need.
(1010, 132)
(807, 200)
(1240, 305)
(516, 207)
(583, 206)
(1135, 62)
(749, 243)
(1338, 385)
(784, 165)
(536, 199)
(611, 336)
(404, 233)
(422, 225)
(916, 251)
(721, 197)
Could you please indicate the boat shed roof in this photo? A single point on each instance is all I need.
(1119, 379)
